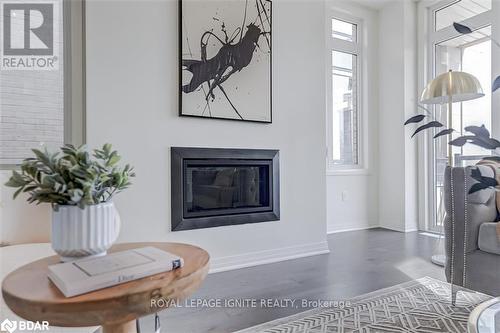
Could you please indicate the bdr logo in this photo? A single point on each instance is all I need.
(29, 35)
(11, 326)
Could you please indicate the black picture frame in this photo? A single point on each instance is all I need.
(180, 70)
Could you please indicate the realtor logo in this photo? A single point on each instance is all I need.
(8, 326)
(29, 35)
(23, 325)
(28, 29)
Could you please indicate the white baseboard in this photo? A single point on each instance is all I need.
(399, 229)
(223, 264)
(352, 229)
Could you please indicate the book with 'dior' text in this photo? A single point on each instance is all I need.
(86, 275)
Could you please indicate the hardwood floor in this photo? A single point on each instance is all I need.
(359, 262)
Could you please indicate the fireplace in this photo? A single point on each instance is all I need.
(214, 187)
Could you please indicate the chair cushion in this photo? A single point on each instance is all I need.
(488, 239)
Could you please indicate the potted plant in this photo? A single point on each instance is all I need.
(80, 187)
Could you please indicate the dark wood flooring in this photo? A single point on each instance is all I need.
(359, 262)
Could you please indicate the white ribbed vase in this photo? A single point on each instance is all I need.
(81, 233)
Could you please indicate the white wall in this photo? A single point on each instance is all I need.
(352, 198)
(132, 89)
(398, 84)
(410, 108)
(20, 222)
(495, 99)
(132, 92)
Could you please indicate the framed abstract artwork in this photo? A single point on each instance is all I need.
(225, 59)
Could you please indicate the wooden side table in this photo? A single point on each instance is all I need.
(30, 294)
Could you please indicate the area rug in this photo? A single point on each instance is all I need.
(417, 306)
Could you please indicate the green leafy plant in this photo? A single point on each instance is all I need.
(71, 176)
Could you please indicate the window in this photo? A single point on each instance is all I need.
(343, 106)
(470, 53)
(40, 107)
(344, 31)
(457, 11)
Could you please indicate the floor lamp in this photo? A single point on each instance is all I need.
(450, 87)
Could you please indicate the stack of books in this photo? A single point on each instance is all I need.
(86, 275)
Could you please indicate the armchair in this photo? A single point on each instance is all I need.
(471, 244)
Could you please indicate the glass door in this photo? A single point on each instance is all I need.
(472, 54)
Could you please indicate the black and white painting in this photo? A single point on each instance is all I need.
(225, 61)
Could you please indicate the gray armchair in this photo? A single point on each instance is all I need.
(471, 243)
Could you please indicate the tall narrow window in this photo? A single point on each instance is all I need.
(344, 127)
(343, 145)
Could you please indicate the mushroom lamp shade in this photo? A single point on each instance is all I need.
(457, 86)
(448, 88)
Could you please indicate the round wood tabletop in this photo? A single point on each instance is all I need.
(30, 294)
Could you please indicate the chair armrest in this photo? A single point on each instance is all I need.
(464, 215)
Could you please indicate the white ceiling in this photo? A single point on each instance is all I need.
(376, 4)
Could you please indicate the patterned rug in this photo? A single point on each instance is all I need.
(417, 306)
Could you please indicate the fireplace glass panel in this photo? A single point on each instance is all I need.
(212, 190)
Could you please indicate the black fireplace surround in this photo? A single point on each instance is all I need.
(214, 187)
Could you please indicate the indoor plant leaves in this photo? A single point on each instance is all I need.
(463, 29)
(426, 126)
(415, 119)
(483, 182)
(496, 84)
(478, 130)
(460, 141)
(476, 174)
(477, 187)
(444, 132)
(486, 143)
(71, 177)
